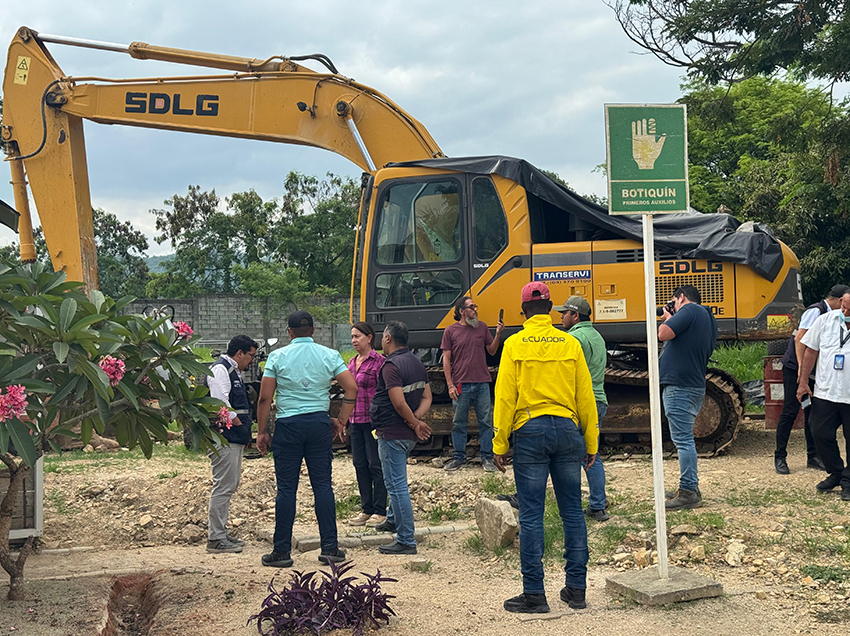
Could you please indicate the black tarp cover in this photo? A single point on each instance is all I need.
(683, 235)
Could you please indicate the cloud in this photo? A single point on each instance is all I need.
(497, 77)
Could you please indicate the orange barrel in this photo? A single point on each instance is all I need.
(774, 394)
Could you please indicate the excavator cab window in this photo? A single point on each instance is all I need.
(420, 222)
(491, 226)
(419, 288)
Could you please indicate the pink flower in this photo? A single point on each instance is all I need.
(13, 403)
(183, 330)
(224, 421)
(113, 368)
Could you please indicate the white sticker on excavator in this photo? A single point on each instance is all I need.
(610, 309)
(22, 70)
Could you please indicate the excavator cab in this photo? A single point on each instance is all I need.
(430, 237)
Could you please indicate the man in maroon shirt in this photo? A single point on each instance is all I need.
(465, 366)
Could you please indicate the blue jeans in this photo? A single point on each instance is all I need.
(476, 394)
(542, 446)
(596, 473)
(681, 405)
(394, 454)
(308, 437)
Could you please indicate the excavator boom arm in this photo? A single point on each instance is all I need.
(269, 100)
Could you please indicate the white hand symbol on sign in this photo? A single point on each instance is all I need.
(645, 148)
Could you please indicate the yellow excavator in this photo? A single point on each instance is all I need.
(431, 228)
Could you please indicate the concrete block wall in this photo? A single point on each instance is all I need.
(219, 317)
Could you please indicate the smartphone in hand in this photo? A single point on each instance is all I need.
(501, 315)
(806, 402)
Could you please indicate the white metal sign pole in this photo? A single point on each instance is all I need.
(654, 395)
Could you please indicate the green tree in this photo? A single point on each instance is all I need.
(70, 361)
(279, 286)
(775, 151)
(731, 40)
(309, 229)
(204, 249)
(121, 249)
(317, 228)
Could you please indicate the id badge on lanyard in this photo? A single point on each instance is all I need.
(843, 337)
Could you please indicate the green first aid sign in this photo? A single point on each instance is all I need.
(647, 148)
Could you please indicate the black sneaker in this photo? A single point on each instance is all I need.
(815, 463)
(684, 500)
(830, 482)
(235, 540)
(511, 499)
(671, 494)
(386, 526)
(845, 493)
(454, 464)
(223, 545)
(527, 604)
(397, 548)
(277, 560)
(781, 466)
(598, 515)
(331, 556)
(574, 597)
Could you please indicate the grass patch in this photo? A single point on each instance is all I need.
(475, 543)
(739, 497)
(60, 504)
(434, 482)
(744, 361)
(440, 513)
(346, 505)
(825, 573)
(493, 484)
(603, 539)
(77, 461)
(169, 475)
(702, 520)
(423, 568)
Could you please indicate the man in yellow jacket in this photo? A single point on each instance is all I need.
(543, 391)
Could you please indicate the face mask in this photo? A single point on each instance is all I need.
(845, 318)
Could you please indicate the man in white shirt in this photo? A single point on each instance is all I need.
(790, 379)
(226, 385)
(825, 341)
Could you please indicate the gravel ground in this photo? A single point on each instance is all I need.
(136, 517)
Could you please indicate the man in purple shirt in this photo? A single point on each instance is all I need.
(468, 378)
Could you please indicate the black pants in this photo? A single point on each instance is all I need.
(367, 466)
(307, 438)
(826, 418)
(790, 409)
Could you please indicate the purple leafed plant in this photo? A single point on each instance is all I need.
(312, 604)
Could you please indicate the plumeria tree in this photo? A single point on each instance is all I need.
(71, 364)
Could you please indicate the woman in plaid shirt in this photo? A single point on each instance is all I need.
(365, 367)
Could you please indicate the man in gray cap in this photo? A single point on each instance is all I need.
(790, 373)
(575, 316)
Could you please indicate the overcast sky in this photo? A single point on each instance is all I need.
(526, 79)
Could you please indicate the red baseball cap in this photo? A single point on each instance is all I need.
(535, 290)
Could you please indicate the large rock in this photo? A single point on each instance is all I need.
(192, 533)
(496, 522)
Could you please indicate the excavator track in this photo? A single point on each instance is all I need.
(626, 427)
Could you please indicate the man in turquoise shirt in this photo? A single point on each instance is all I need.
(301, 374)
(575, 316)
